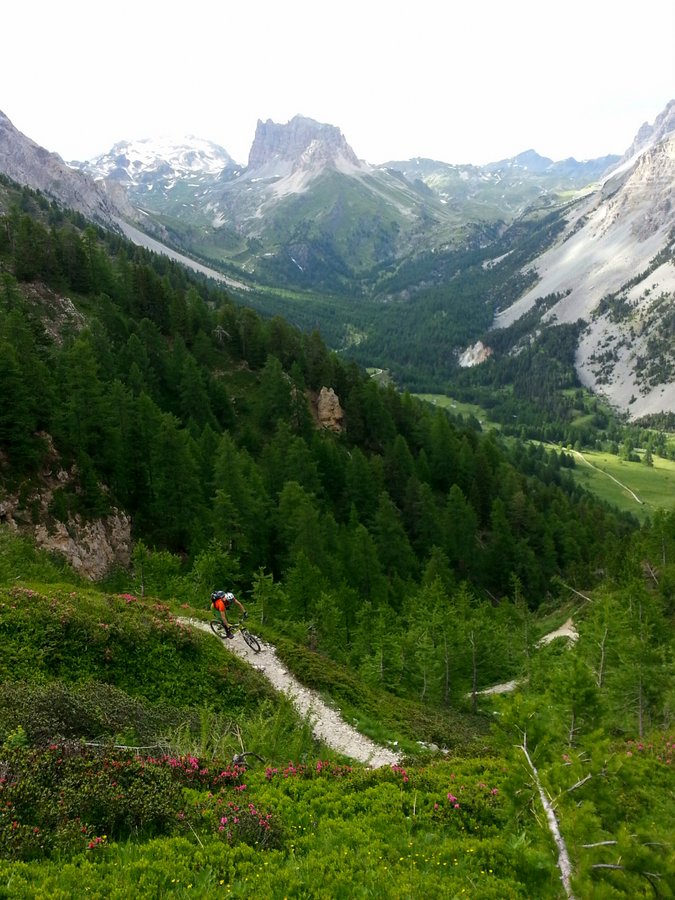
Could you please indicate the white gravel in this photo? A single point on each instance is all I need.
(327, 723)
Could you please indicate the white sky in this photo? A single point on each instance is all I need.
(461, 82)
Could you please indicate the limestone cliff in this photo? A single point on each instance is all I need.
(93, 547)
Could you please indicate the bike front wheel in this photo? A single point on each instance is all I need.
(251, 640)
(218, 629)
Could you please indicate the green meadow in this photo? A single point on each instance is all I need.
(631, 486)
(458, 408)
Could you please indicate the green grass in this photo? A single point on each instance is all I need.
(459, 409)
(654, 486)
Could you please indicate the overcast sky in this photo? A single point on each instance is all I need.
(460, 82)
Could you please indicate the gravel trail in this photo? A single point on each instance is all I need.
(566, 630)
(327, 723)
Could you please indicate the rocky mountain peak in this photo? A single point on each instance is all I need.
(300, 143)
(611, 268)
(24, 161)
(664, 125)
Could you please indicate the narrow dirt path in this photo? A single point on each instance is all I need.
(616, 480)
(327, 723)
(566, 630)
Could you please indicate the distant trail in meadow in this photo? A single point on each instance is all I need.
(602, 472)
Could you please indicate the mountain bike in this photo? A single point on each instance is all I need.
(218, 628)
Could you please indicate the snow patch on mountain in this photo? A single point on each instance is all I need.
(130, 162)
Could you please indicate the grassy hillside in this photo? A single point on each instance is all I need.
(118, 729)
(398, 563)
(630, 486)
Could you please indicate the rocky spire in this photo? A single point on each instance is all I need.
(302, 143)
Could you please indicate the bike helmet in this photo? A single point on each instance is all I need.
(217, 595)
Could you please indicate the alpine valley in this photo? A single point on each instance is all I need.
(410, 265)
(418, 418)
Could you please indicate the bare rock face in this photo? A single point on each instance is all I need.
(58, 314)
(29, 164)
(300, 142)
(329, 413)
(91, 548)
(648, 135)
(474, 356)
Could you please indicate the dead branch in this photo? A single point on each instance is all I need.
(564, 864)
(579, 783)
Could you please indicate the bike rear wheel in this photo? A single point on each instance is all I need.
(251, 640)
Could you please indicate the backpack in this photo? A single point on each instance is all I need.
(226, 596)
(217, 595)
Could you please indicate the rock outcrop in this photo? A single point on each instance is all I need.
(93, 547)
(329, 413)
(475, 355)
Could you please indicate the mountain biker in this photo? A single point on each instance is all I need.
(222, 601)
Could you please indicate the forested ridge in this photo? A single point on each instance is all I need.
(193, 415)
(400, 566)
